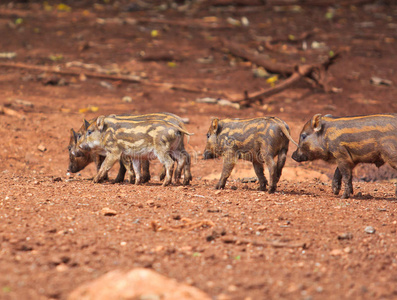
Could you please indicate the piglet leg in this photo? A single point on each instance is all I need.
(258, 167)
(336, 182)
(107, 164)
(229, 161)
(347, 177)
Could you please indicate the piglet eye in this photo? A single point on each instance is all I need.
(303, 136)
(89, 132)
(208, 135)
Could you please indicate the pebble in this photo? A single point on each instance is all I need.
(106, 211)
(369, 230)
(345, 236)
(41, 148)
(126, 99)
(336, 252)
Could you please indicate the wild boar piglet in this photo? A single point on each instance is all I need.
(348, 141)
(258, 140)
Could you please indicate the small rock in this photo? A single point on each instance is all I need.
(56, 179)
(232, 288)
(369, 230)
(249, 179)
(126, 99)
(62, 267)
(207, 100)
(106, 211)
(137, 284)
(336, 252)
(106, 84)
(347, 250)
(261, 228)
(380, 81)
(41, 148)
(185, 120)
(218, 192)
(24, 103)
(233, 187)
(345, 236)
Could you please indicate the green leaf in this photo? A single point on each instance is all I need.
(55, 57)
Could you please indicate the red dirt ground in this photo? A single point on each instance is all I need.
(300, 243)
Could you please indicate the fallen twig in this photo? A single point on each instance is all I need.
(11, 112)
(316, 72)
(285, 2)
(185, 23)
(57, 70)
(188, 225)
(272, 67)
(126, 78)
(275, 244)
(274, 44)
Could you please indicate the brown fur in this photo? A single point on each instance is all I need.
(257, 140)
(115, 136)
(77, 163)
(348, 141)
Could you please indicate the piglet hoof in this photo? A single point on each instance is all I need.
(145, 178)
(272, 190)
(262, 188)
(335, 191)
(186, 181)
(166, 183)
(219, 187)
(345, 195)
(118, 179)
(97, 179)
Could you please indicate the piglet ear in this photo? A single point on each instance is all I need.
(73, 135)
(86, 124)
(214, 124)
(316, 122)
(100, 122)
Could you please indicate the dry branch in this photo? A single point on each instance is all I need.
(275, 244)
(324, 3)
(316, 72)
(257, 59)
(235, 2)
(11, 112)
(187, 225)
(125, 78)
(185, 23)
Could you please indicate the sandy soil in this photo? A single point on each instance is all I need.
(300, 243)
